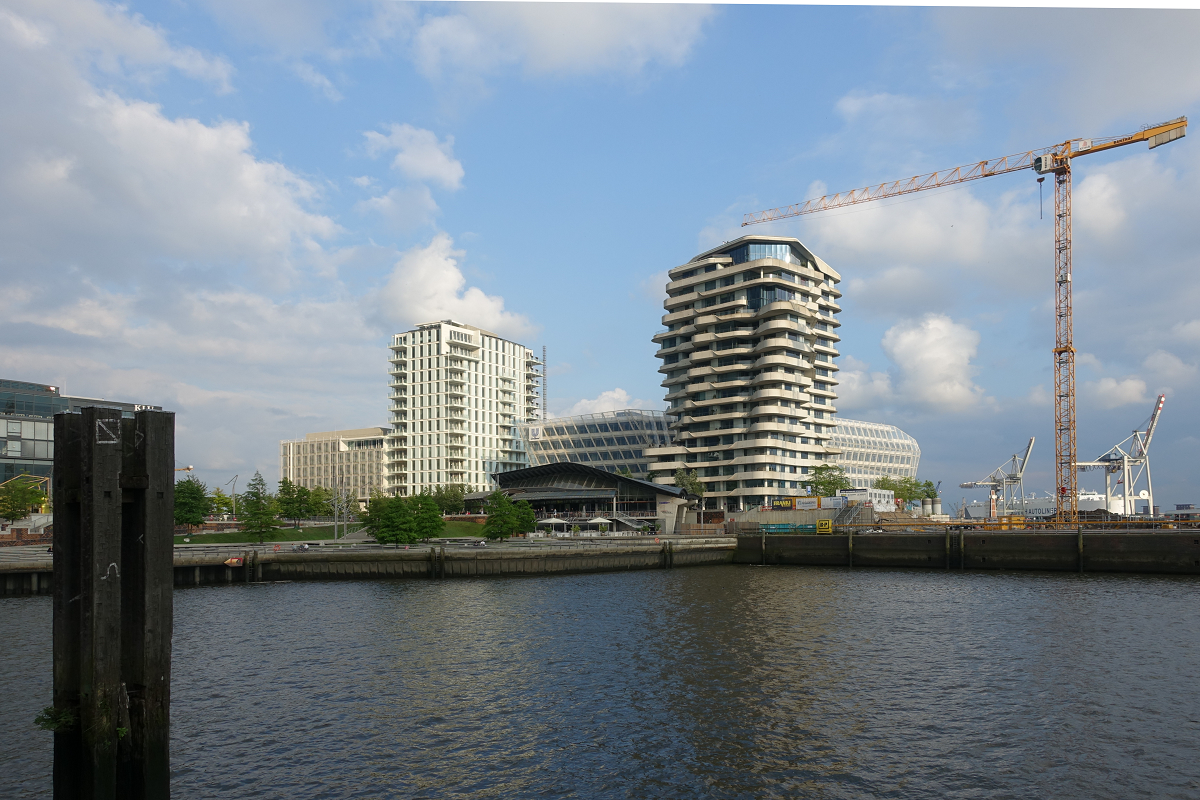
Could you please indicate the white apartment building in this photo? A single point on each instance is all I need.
(872, 450)
(458, 394)
(748, 364)
(352, 460)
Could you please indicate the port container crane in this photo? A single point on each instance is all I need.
(1006, 482)
(1054, 160)
(1132, 463)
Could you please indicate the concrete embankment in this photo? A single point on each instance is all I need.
(206, 566)
(1170, 553)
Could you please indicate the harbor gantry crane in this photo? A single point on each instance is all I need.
(1006, 482)
(1131, 463)
(1054, 160)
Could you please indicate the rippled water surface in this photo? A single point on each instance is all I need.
(705, 682)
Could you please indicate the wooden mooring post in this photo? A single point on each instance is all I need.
(114, 498)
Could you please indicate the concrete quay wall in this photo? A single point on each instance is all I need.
(195, 567)
(1163, 553)
(445, 562)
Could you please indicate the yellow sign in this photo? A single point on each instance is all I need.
(824, 526)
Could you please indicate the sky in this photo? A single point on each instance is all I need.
(227, 208)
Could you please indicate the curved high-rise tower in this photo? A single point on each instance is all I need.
(748, 359)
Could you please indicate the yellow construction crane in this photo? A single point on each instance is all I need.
(1054, 160)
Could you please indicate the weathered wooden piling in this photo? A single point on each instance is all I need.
(114, 496)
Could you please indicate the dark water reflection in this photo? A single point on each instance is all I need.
(710, 682)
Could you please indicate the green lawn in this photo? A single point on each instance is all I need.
(459, 528)
(453, 528)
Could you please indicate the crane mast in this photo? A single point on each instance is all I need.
(1055, 160)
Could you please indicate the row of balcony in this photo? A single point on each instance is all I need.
(816, 278)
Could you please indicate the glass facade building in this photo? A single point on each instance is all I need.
(458, 395)
(612, 440)
(748, 354)
(352, 460)
(27, 425)
(872, 450)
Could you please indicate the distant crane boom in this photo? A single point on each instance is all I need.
(1132, 464)
(1054, 160)
(1007, 481)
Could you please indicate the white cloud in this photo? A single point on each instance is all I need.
(1096, 203)
(1039, 396)
(1168, 368)
(469, 40)
(426, 284)
(307, 73)
(859, 387)
(1112, 393)
(1103, 89)
(556, 38)
(610, 400)
(1189, 331)
(112, 184)
(882, 118)
(419, 154)
(404, 209)
(106, 37)
(933, 356)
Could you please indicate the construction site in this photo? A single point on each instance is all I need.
(1128, 495)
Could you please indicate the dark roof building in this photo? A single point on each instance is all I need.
(27, 424)
(565, 495)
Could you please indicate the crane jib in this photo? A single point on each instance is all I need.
(1045, 160)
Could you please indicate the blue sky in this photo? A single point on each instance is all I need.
(226, 208)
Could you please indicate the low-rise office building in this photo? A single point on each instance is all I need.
(614, 441)
(352, 460)
(27, 424)
(567, 495)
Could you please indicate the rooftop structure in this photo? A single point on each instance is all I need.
(748, 365)
(458, 394)
(611, 440)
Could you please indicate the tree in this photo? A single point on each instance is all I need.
(501, 516)
(827, 480)
(192, 502)
(624, 472)
(905, 489)
(506, 518)
(427, 517)
(524, 518)
(450, 498)
(390, 520)
(220, 502)
(18, 497)
(258, 508)
(292, 505)
(689, 481)
(320, 502)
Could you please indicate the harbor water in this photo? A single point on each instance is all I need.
(724, 682)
